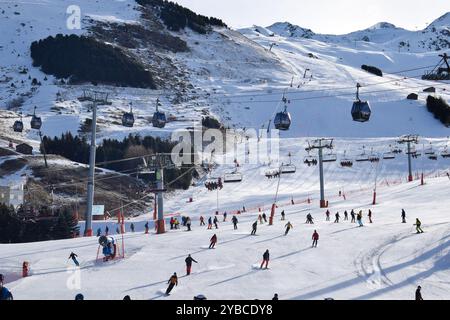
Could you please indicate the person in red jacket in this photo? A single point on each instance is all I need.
(213, 241)
(315, 238)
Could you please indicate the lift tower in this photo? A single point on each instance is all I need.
(321, 144)
(408, 139)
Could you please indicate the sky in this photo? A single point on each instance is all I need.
(322, 16)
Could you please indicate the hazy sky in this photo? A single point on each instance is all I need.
(322, 16)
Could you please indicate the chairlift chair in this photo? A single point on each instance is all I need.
(361, 109)
(288, 168)
(346, 162)
(445, 153)
(232, 177)
(388, 155)
(330, 157)
(36, 122)
(362, 157)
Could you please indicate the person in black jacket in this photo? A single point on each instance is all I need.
(173, 281)
(264, 217)
(403, 216)
(189, 261)
(235, 222)
(254, 226)
(275, 296)
(5, 294)
(265, 261)
(73, 256)
(419, 293)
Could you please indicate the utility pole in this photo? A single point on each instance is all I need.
(408, 139)
(90, 187)
(321, 144)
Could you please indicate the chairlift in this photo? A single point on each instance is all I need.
(346, 162)
(232, 177)
(388, 155)
(432, 156)
(282, 120)
(330, 157)
(429, 150)
(288, 168)
(310, 160)
(441, 71)
(361, 109)
(363, 156)
(36, 122)
(396, 150)
(18, 125)
(373, 157)
(445, 153)
(128, 118)
(159, 119)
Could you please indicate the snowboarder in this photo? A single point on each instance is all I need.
(235, 222)
(265, 261)
(99, 232)
(73, 256)
(353, 216)
(282, 215)
(188, 223)
(337, 217)
(216, 221)
(370, 216)
(315, 238)
(264, 217)
(254, 226)
(132, 227)
(288, 227)
(209, 223)
(359, 218)
(202, 221)
(189, 261)
(403, 216)
(345, 215)
(328, 215)
(173, 281)
(5, 294)
(418, 224)
(146, 227)
(275, 296)
(224, 216)
(419, 293)
(213, 241)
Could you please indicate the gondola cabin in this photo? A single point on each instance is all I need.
(18, 126)
(36, 122)
(361, 110)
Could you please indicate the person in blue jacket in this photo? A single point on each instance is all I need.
(5, 294)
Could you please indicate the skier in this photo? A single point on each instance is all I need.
(235, 222)
(146, 227)
(202, 221)
(260, 219)
(403, 216)
(337, 217)
(264, 217)
(265, 261)
(224, 216)
(5, 294)
(209, 223)
(215, 222)
(288, 227)
(359, 218)
(309, 219)
(189, 261)
(315, 238)
(370, 216)
(213, 241)
(99, 232)
(254, 226)
(282, 215)
(132, 227)
(419, 293)
(73, 256)
(275, 296)
(188, 223)
(418, 224)
(328, 215)
(173, 281)
(345, 215)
